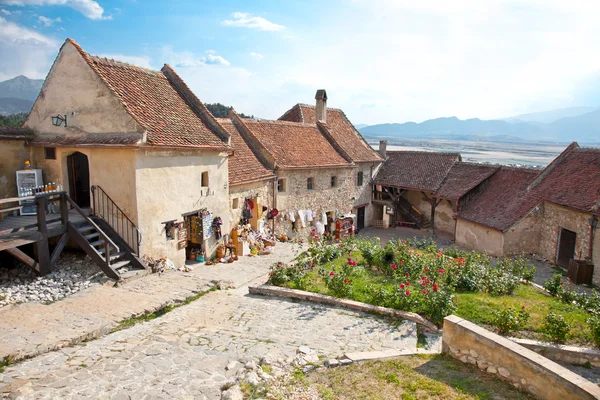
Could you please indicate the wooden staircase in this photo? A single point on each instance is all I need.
(410, 214)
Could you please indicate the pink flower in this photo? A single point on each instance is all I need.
(394, 266)
(441, 271)
(331, 273)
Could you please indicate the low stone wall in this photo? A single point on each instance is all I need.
(512, 362)
(568, 354)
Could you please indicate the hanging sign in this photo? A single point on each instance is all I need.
(182, 244)
(182, 234)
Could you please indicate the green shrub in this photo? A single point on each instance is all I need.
(509, 320)
(555, 328)
(426, 244)
(594, 325)
(554, 285)
(282, 274)
(339, 284)
(498, 282)
(370, 249)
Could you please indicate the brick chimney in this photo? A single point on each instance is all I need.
(382, 148)
(321, 107)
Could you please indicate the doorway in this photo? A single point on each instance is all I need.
(360, 218)
(566, 247)
(79, 179)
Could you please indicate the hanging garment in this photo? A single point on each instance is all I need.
(309, 215)
(293, 216)
(320, 228)
(217, 222)
(302, 217)
(324, 219)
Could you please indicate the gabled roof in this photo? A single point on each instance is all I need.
(416, 170)
(244, 165)
(9, 132)
(504, 200)
(341, 129)
(161, 103)
(295, 145)
(463, 177)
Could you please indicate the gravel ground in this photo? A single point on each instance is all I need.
(73, 272)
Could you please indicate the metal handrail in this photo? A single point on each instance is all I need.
(104, 206)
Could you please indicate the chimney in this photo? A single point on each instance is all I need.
(321, 107)
(382, 148)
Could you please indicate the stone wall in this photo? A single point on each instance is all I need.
(168, 184)
(557, 217)
(263, 190)
(596, 257)
(568, 354)
(13, 154)
(444, 218)
(511, 362)
(478, 237)
(323, 198)
(524, 236)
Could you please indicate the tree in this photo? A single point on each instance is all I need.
(221, 111)
(13, 120)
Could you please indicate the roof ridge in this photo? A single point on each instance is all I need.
(424, 152)
(552, 165)
(283, 122)
(121, 64)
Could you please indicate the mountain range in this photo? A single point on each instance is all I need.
(18, 94)
(564, 125)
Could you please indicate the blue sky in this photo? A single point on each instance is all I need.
(380, 60)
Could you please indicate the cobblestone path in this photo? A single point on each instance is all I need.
(184, 354)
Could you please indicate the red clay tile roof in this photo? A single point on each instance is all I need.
(107, 139)
(8, 132)
(416, 170)
(244, 166)
(295, 145)
(572, 180)
(342, 131)
(462, 178)
(504, 200)
(161, 103)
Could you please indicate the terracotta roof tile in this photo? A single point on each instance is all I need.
(116, 138)
(158, 104)
(8, 132)
(296, 145)
(463, 177)
(244, 166)
(342, 131)
(416, 170)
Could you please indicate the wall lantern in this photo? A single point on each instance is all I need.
(59, 120)
(594, 222)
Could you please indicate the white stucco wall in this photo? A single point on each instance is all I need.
(263, 190)
(169, 185)
(478, 237)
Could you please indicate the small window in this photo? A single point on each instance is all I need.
(50, 153)
(281, 185)
(359, 178)
(204, 182)
(333, 181)
(236, 203)
(309, 183)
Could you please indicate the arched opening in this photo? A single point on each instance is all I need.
(79, 179)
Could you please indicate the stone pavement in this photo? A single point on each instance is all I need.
(192, 351)
(34, 328)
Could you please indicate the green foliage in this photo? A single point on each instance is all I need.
(594, 325)
(426, 244)
(504, 277)
(567, 293)
(281, 274)
(370, 250)
(339, 284)
(509, 320)
(13, 120)
(556, 328)
(221, 111)
(554, 284)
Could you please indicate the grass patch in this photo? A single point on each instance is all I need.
(5, 362)
(479, 308)
(129, 322)
(434, 377)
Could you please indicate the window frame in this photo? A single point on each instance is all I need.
(360, 178)
(333, 183)
(52, 151)
(235, 203)
(283, 183)
(310, 183)
(204, 179)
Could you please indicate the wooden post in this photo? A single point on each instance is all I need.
(64, 210)
(41, 247)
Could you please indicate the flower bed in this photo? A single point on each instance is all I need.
(418, 277)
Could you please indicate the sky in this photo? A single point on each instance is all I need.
(379, 60)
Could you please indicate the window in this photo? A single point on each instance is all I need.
(281, 185)
(204, 180)
(309, 183)
(236, 203)
(359, 178)
(333, 181)
(50, 153)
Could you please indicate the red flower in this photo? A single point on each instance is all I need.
(523, 307)
(408, 292)
(401, 262)
(419, 255)
(426, 270)
(562, 283)
(408, 283)
(407, 275)
(402, 286)
(424, 291)
(347, 280)
(423, 283)
(435, 288)
(331, 273)
(312, 266)
(441, 271)
(394, 266)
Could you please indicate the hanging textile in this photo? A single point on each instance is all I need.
(216, 224)
(207, 221)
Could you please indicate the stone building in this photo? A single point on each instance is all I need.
(13, 154)
(137, 139)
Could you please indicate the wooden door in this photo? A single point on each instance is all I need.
(566, 247)
(79, 179)
(360, 218)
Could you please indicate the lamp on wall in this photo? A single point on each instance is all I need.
(58, 120)
(594, 222)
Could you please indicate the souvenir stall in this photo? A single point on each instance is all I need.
(252, 236)
(198, 227)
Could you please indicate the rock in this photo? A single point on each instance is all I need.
(332, 363)
(492, 370)
(252, 378)
(264, 376)
(251, 365)
(504, 372)
(231, 365)
(304, 350)
(308, 368)
(345, 361)
(233, 393)
(473, 354)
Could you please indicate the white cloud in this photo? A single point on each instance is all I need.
(186, 59)
(246, 20)
(256, 55)
(48, 21)
(31, 53)
(89, 8)
(140, 61)
(5, 12)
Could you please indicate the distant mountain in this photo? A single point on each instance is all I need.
(21, 87)
(585, 128)
(547, 117)
(11, 105)
(360, 126)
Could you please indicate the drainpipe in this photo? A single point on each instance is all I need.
(593, 225)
